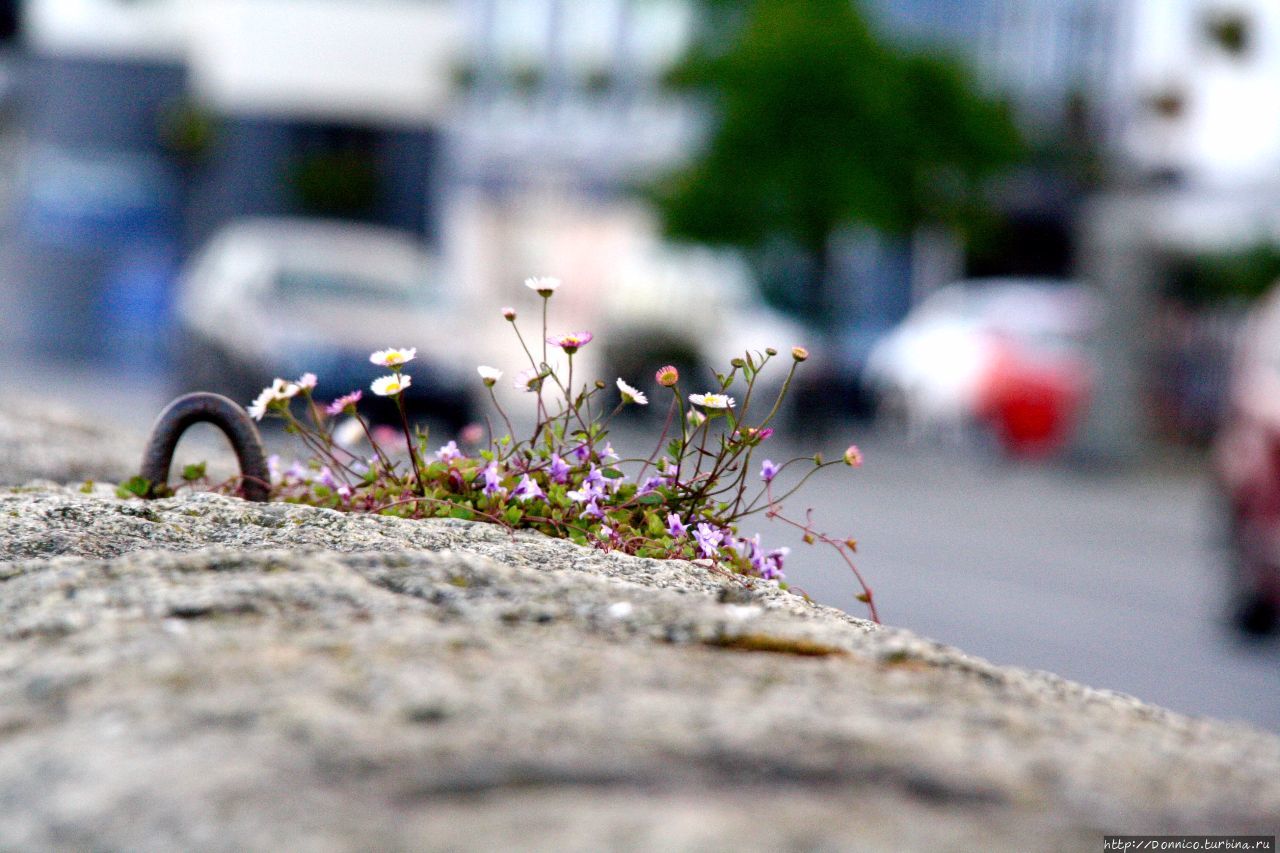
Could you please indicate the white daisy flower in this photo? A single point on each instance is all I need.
(258, 407)
(527, 380)
(489, 375)
(393, 357)
(389, 386)
(307, 382)
(713, 401)
(632, 395)
(282, 390)
(544, 285)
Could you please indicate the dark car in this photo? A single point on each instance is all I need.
(1246, 465)
(281, 297)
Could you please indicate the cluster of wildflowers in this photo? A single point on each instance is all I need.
(687, 499)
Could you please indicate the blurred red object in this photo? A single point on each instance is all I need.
(1031, 403)
(1246, 465)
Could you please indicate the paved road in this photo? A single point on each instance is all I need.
(1108, 579)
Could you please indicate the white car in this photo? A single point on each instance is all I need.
(697, 308)
(280, 297)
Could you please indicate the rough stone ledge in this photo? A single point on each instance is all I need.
(200, 672)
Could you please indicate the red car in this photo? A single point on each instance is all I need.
(1246, 464)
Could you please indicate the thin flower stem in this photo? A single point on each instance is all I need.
(408, 440)
(510, 429)
(662, 440)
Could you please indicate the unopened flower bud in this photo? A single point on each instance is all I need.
(853, 456)
(599, 384)
(808, 539)
(509, 314)
(771, 352)
(738, 363)
(667, 376)
(799, 353)
(817, 459)
(851, 543)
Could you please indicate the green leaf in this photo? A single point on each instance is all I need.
(513, 515)
(651, 499)
(134, 487)
(194, 472)
(612, 473)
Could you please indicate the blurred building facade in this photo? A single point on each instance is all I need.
(494, 128)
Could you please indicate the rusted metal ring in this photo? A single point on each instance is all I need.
(226, 415)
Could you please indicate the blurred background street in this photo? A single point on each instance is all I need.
(1031, 245)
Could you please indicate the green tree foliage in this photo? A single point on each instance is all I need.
(821, 124)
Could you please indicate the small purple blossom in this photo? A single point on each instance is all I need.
(298, 471)
(582, 452)
(273, 468)
(593, 510)
(326, 478)
(559, 470)
(588, 494)
(527, 490)
(607, 454)
(708, 539)
(493, 480)
(449, 452)
(772, 570)
(651, 485)
(675, 526)
(768, 470)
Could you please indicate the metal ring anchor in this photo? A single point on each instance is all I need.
(226, 415)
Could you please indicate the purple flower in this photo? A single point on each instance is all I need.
(675, 526)
(449, 452)
(582, 453)
(768, 471)
(559, 470)
(589, 493)
(708, 538)
(527, 490)
(607, 454)
(772, 570)
(593, 510)
(298, 471)
(493, 480)
(326, 478)
(273, 468)
(765, 433)
(595, 478)
(344, 492)
(651, 485)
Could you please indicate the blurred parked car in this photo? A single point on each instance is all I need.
(280, 297)
(1246, 457)
(1008, 355)
(697, 308)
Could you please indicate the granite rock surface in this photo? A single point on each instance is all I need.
(204, 673)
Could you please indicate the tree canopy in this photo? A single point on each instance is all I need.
(822, 124)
